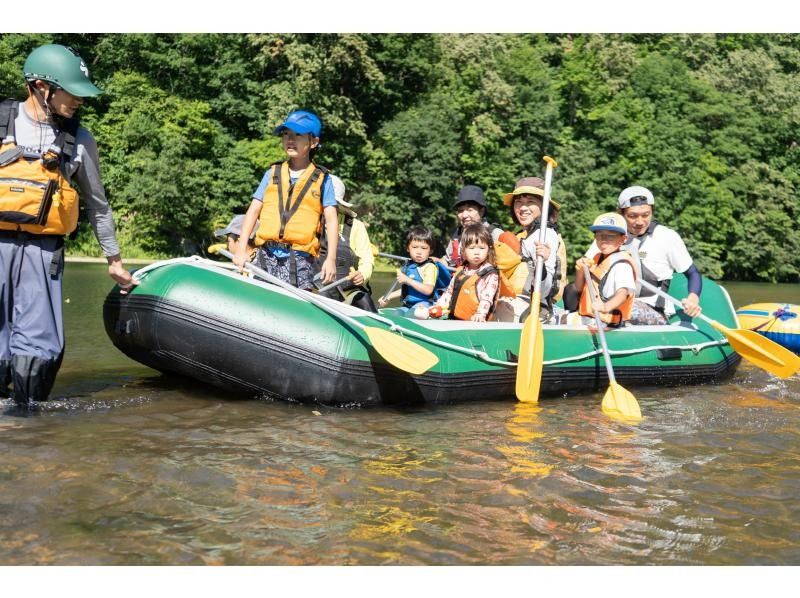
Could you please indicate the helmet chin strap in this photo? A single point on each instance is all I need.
(44, 102)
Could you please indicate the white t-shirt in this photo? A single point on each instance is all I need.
(528, 251)
(663, 252)
(620, 277)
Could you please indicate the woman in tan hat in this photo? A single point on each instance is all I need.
(525, 202)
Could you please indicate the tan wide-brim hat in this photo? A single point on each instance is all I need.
(531, 185)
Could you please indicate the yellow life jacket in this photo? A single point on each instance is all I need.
(292, 214)
(600, 271)
(35, 196)
(464, 302)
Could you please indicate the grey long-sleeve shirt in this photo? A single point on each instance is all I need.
(83, 170)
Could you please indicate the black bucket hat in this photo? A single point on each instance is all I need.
(471, 193)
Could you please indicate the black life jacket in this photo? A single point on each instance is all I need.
(346, 258)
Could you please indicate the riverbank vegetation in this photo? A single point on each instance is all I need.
(710, 123)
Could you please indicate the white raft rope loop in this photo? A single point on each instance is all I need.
(405, 332)
(696, 348)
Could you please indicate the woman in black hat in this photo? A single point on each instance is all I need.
(470, 207)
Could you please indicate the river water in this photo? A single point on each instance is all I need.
(129, 467)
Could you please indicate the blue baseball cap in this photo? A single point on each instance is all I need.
(301, 122)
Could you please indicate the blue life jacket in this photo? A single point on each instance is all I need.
(412, 296)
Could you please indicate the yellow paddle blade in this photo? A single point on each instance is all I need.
(761, 351)
(531, 357)
(401, 352)
(620, 404)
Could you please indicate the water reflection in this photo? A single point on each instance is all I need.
(128, 466)
(522, 454)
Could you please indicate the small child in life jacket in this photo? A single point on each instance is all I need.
(233, 231)
(418, 276)
(472, 291)
(613, 274)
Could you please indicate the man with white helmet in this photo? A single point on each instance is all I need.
(45, 158)
(658, 252)
(354, 250)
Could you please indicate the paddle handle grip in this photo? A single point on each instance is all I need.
(587, 280)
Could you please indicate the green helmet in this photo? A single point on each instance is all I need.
(62, 66)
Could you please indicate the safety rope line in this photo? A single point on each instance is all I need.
(482, 355)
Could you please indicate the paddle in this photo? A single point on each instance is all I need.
(336, 283)
(389, 292)
(531, 341)
(618, 402)
(400, 352)
(756, 348)
(392, 256)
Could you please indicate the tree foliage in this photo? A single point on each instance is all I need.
(710, 123)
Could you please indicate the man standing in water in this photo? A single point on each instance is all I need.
(44, 158)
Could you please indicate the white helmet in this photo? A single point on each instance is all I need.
(339, 191)
(635, 196)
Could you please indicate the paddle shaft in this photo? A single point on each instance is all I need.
(537, 276)
(587, 280)
(304, 295)
(334, 284)
(391, 256)
(672, 299)
(391, 288)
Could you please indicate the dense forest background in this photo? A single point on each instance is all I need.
(710, 123)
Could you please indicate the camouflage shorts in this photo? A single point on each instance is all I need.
(280, 267)
(646, 315)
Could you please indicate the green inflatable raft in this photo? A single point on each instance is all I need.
(202, 319)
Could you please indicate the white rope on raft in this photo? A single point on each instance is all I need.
(485, 357)
(482, 355)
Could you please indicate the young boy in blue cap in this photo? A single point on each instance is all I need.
(289, 204)
(612, 271)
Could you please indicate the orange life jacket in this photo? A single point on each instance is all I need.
(292, 214)
(35, 196)
(600, 272)
(512, 270)
(464, 302)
